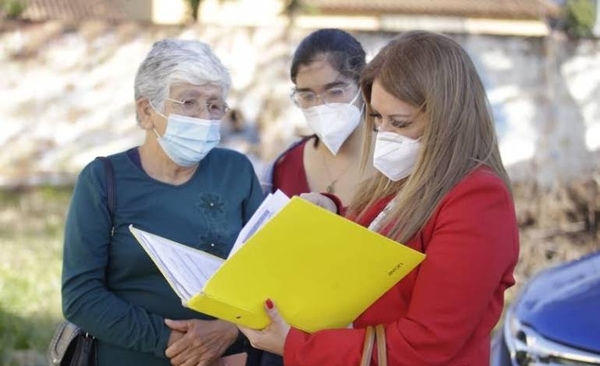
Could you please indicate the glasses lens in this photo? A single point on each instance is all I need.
(217, 109)
(304, 99)
(335, 95)
(189, 106)
(192, 107)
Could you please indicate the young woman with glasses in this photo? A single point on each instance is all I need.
(325, 71)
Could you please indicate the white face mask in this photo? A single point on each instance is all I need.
(333, 122)
(187, 140)
(395, 155)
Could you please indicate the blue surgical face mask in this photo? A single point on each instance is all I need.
(187, 140)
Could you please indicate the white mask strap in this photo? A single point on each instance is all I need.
(355, 97)
(156, 110)
(362, 107)
(160, 114)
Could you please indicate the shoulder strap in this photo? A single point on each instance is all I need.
(368, 346)
(111, 194)
(374, 336)
(381, 345)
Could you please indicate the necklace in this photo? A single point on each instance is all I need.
(331, 187)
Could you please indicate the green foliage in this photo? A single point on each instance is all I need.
(293, 8)
(31, 236)
(14, 8)
(581, 15)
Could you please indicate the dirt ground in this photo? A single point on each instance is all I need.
(556, 224)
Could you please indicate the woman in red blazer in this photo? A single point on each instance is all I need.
(441, 189)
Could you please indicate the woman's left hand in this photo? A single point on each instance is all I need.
(271, 338)
(320, 200)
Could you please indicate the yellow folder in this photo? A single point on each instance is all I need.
(320, 269)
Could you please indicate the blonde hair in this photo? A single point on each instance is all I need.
(433, 73)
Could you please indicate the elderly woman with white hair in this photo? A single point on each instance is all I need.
(177, 185)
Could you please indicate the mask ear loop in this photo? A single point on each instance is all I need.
(160, 114)
(363, 107)
(387, 184)
(156, 110)
(356, 97)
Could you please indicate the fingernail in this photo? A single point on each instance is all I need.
(269, 304)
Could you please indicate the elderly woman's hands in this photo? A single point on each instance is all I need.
(199, 342)
(272, 338)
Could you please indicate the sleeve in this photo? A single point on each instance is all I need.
(266, 178)
(255, 195)
(253, 199)
(269, 177)
(85, 299)
(287, 172)
(474, 244)
(341, 210)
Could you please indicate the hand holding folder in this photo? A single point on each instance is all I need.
(321, 269)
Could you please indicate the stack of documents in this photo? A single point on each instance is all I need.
(320, 269)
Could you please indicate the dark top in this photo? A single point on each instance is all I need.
(111, 287)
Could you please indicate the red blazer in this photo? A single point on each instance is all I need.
(443, 312)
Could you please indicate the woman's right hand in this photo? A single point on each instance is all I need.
(174, 337)
(203, 341)
(320, 200)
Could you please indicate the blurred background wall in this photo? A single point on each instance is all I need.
(66, 92)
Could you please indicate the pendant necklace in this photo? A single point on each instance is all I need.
(331, 187)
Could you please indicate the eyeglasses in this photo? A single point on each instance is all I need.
(306, 99)
(194, 107)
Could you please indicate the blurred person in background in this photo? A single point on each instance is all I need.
(441, 188)
(237, 133)
(176, 185)
(325, 71)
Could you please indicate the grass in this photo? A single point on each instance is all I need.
(31, 234)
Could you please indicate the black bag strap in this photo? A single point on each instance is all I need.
(111, 192)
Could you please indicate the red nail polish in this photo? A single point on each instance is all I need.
(269, 304)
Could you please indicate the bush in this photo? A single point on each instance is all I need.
(13, 9)
(581, 15)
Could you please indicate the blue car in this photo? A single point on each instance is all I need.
(555, 320)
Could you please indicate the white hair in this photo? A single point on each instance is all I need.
(173, 61)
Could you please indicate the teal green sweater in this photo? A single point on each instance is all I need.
(110, 287)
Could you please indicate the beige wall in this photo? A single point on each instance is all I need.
(242, 12)
(169, 11)
(268, 13)
(156, 11)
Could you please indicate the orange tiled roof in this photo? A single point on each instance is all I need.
(72, 9)
(505, 9)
